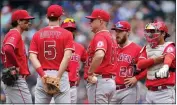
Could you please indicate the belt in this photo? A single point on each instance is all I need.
(49, 69)
(157, 88)
(73, 83)
(118, 87)
(172, 69)
(106, 76)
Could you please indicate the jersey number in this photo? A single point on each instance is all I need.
(50, 50)
(126, 71)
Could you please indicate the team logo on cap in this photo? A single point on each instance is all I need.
(118, 25)
(52, 14)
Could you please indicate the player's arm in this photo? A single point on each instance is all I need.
(9, 48)
(36, 64)
(133, 80)
(10, 54)
(145, 62)
(169, 53)
(141, 75)
(97, 60)
(69, 49)
(100, 47)
(33, 56)
(64, 62)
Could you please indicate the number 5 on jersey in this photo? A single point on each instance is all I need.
(50, 50)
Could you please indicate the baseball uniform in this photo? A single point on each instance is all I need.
(19, 93)
(49, 44)
(73, 68)
(160, 90)
(102, 91)
(126, 60)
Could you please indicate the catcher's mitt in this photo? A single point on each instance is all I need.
(10, 75)
(51, 85)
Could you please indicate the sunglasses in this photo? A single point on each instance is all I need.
(69, 20)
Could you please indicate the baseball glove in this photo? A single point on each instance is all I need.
(10, 75)
(51, 85)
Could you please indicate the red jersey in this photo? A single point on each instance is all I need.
(14, 39)
(127, 57)
(74, 64)
(49, 44)
(162, 81)
(103, 41)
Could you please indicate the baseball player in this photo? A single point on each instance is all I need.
(77, 56)
(50, 52)
(101, 59)
(128, 53)
(158, 57)
(14, 59)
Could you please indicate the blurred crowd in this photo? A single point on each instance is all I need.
(138, 13)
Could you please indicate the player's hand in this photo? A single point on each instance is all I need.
(44, 79)
(92, 79)
(158, 60)
(163, 72)
(130, 81)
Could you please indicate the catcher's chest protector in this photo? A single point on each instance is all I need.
(152, 53)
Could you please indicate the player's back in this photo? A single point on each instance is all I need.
(51, 43)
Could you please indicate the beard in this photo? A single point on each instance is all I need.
(121, 41)
(26, 29)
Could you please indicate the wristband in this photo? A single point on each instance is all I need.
(40, 71)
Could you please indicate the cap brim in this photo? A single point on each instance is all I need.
(90, 17)
(29, 17)
(118, 29)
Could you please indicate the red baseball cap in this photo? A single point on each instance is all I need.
(99, 14)
(68, 23)
(54, 11)
(20, 14)
(121, 25)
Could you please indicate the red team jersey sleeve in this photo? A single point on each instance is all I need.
(33, 44)
(170, 49)
(141, 75)
(170, 53)
(143, 54)
(13, 40)
(100, 43)
(143, 62)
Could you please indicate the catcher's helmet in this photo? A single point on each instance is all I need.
(152, 32)
(161, 26)
(68, 23)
